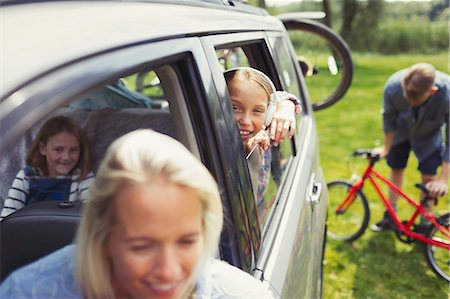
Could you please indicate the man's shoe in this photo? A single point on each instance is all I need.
(383, 224)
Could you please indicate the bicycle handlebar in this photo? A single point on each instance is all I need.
(366, 154)
(423, 188)
(427, 195)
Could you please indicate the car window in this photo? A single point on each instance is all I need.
(284, 63)
(105, 113)
(287, 72)
(232, 57)
(278, 157)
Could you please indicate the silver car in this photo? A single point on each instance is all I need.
(116, 66)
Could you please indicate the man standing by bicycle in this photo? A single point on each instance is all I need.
(416, 107)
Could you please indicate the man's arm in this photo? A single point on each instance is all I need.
(389, 114)
(388, 139)
(439, 186)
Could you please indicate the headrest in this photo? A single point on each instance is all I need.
(35, 231)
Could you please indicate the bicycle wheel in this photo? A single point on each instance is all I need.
(438, 258)
(329, 56)
(350, 224)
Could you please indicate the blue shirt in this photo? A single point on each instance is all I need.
(53, 277)
(421, 126)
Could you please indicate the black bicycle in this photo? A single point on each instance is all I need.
(324, 57)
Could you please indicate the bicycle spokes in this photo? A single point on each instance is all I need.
(345, 204)
(347, 220)
(438, 256)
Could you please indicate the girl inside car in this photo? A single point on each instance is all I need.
(58, 167)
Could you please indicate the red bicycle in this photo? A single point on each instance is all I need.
(348, 215)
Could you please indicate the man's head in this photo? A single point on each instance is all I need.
(418, 83)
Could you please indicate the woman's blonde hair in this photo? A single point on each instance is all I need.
(418, 80)
(137, 158)
(252, 75)
(50, 128)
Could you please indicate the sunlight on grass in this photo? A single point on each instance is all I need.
(377, 265)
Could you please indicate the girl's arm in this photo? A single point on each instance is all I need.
(84, 186)
(17, 195)
(284, 121)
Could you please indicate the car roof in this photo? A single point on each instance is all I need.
(38, 36)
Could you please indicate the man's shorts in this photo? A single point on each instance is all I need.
(399, 154)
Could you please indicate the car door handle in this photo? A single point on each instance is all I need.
(315, 191)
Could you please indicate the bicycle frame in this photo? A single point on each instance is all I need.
(371, 174)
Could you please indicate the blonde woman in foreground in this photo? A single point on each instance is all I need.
(150, 229)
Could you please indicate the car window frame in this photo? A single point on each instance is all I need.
(265, 63)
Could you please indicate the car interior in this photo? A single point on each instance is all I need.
(105, 114)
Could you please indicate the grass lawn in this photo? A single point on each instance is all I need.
(378, 265)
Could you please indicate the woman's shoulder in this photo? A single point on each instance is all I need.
(50, 277)
(222, 280)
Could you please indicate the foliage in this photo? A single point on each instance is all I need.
(359, 27)
(360, 19)
(387, 27)
(377, 265)
(416, 35)
(426, 9)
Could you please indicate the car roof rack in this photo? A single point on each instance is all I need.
(235, 5)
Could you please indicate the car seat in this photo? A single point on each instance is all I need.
(35, 231)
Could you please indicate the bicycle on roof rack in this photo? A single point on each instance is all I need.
(324, 57)
(348, 215)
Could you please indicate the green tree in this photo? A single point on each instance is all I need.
(262, 3)
(438, 8)
(360, 21)
(327, 10)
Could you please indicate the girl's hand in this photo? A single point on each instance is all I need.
(283, 121)
(261, 139)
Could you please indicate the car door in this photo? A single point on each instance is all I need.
(282, 238)
(185, 99)
(316, 195)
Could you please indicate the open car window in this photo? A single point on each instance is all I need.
(276, 158)
(136, 101)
